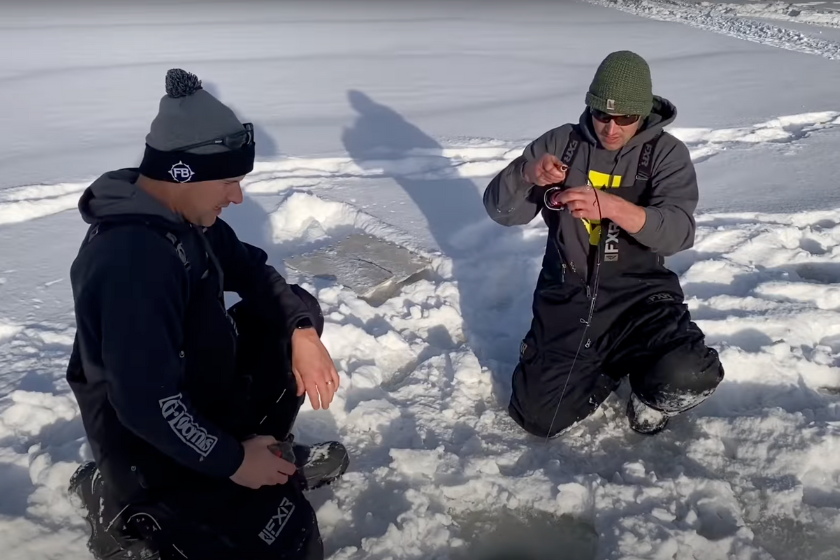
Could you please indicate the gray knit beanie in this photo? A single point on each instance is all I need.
(187, 115)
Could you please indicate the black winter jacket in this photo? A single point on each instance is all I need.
(154, 357)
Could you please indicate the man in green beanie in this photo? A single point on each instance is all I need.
(618, 195)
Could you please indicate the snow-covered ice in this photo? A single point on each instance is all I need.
(746, 20)
(389, 120)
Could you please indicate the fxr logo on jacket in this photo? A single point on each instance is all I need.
(184, 426)
(611, 245)
(275, 525)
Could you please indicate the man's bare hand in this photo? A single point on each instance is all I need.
(261, 467)
(591, 204)
(313, 368)
(585, 202)
(547, 170)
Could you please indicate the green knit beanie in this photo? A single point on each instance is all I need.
(622, 85)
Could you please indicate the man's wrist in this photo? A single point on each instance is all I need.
(521, 172)
(628, 216)
(610, 205)
(303, 327)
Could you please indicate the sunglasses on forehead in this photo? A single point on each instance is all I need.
(233, 141)
(620, 120)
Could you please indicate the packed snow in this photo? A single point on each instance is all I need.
(389, 120)
(746, 21)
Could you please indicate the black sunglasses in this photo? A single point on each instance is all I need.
(233, 141)
(620, 120)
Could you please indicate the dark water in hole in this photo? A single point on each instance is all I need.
(789, 539)
(532, 535)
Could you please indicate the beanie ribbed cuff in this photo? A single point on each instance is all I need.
(641, 107)
(188, 167)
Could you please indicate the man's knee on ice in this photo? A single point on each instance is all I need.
(543, 420)
(549, 399)
(529, 407)
(680, 379)
(541, 426)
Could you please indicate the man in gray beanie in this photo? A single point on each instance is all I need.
(188, 406)
(618, 194)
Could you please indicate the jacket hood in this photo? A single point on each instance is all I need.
(663, 113)
(116, 194)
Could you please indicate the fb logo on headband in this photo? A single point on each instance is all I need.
(181, 172)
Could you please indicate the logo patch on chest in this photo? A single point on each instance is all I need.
(599, 181)
(603, 180)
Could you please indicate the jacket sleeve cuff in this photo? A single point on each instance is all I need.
(294, 313)
(650, 232)
(518, 176)
(228, 458)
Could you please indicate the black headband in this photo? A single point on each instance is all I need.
(186, 167)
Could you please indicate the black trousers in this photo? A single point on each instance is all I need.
(209, 519)
(652, 340)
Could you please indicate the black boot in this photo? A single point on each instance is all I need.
(86, 489)
(319, 464)
(644, 419)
